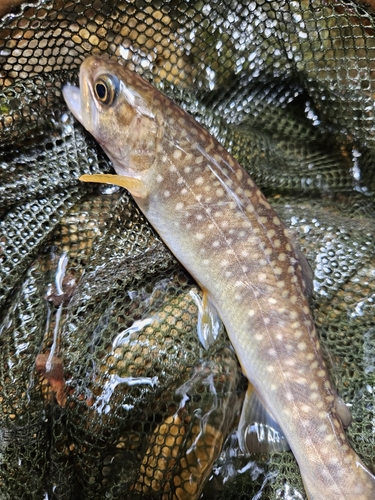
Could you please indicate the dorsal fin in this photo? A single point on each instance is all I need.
(306, 270)
(343, 412)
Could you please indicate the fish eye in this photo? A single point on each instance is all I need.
(105, 88)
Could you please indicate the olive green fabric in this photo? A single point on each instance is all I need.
(105, 390)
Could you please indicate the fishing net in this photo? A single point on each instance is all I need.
(105, 390)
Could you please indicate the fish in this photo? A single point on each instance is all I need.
(218, 224)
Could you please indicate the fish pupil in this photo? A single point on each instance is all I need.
(101, 91)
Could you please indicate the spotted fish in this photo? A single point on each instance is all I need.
(221, 228)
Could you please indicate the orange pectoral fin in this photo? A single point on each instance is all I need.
(135, 186)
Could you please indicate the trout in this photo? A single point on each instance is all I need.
(218, 224)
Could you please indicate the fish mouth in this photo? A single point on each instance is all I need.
(80, 100)
(72, 96)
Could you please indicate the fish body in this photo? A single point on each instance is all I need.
(221, 228)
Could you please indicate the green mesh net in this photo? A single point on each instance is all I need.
(105, 390)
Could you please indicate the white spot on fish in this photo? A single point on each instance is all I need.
(239, 174)
(329, 438)
(323, 428)
(159, 178)
(263, 202)
(177, 154)
(199, 181)
(179, 206)
(199, 236)
(167, 193)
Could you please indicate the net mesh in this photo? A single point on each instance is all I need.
(105, 390)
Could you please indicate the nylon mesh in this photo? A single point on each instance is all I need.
(105, 390)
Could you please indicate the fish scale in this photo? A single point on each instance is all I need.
(221, 228)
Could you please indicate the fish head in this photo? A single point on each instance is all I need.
(118, 108)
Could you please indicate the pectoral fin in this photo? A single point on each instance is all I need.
(258, 432)
(209, 324)
(135, 186)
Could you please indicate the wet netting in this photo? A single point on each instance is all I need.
(105, 390)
